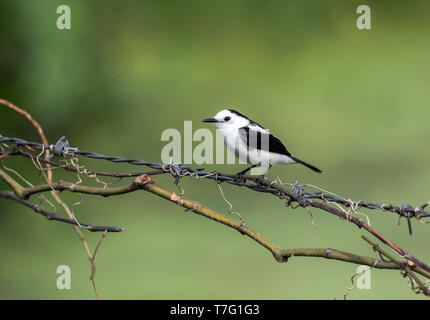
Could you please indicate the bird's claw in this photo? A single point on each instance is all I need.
(261, 180)
(239, 178)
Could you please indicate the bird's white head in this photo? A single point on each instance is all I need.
(228, 118)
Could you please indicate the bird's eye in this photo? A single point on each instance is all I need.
(227, 118)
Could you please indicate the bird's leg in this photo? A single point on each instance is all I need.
(241, 173)
(239, 176)
(261, 178)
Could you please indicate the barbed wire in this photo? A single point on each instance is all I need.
(62, 149)
(295, 193)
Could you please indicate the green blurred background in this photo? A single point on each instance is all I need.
(354, 103)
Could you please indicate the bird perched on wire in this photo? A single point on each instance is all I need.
(252, 143)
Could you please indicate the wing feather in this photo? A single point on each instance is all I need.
(254, 136)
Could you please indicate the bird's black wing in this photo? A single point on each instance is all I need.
(254, 137)
(276, 146)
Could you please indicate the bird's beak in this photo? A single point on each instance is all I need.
(211, 120)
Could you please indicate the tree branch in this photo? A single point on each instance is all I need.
(53, 216)
(146, 183)
(320, 200)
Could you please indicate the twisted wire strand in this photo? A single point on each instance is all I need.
(62, 149)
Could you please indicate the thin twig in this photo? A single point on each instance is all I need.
(93, 266)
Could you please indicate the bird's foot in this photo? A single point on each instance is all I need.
(261, 180)
(239, 178)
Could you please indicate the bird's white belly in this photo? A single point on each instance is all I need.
(253, 155)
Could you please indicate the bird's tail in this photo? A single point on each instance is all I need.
(306, 164)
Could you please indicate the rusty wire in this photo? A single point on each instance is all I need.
(295, 192)
(62, 149)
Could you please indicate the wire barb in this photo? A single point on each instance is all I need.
(305, 196)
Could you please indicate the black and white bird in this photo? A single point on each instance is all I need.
(252, 143)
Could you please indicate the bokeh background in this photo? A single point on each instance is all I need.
(355, 103)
